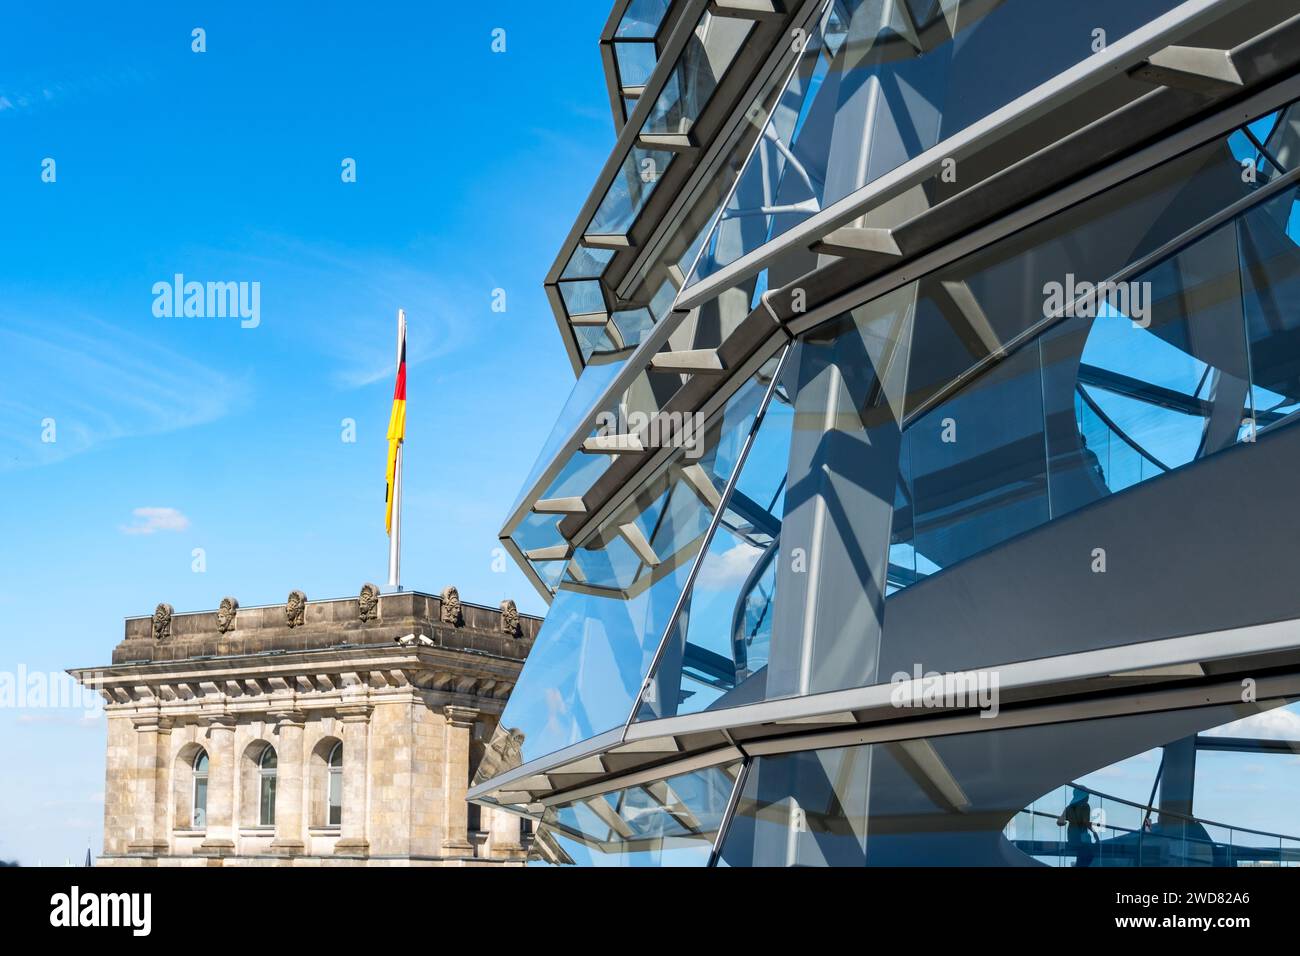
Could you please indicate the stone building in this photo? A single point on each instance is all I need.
(309, 733)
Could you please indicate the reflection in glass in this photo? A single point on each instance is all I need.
(882, 81)
(702, 63)
(641, 19)
(784, 602)
(670, 822)
(617, 595)
(1039, 794)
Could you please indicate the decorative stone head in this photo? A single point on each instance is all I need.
(509, 618)
(295, 608)
(368, 602)
(162, 622)
(226, 614)
(451, 606)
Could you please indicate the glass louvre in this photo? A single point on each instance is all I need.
(690, 86)
(882, 81)
(670, 822)
(587, 665)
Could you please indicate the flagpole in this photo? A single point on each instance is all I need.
(395, 538)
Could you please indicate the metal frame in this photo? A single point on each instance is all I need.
(871, 707)
(1217, 123)
(1054, 94)
(866, 706)
(1221, 120)
(1272, 690)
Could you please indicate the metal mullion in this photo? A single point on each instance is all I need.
(729, 813)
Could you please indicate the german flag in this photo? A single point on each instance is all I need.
(396, 423)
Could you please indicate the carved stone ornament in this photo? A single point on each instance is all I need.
(226, 614)
(295, 608)
(368, 602)
(509, 618)
(451, 606)
(162, 622)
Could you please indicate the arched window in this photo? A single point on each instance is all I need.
(334, 787)
(266, 787)
(199, 796)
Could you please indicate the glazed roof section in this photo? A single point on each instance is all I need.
(675, 69)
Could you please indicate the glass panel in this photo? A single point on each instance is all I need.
(267, 801)
(587, 263)
(335, 815)
(582, 298)
(636, 61)
(702, 63)
(642, 18)
(997, 797)
(590, 386)
(610, 612)
(914, 73)
(978, 466)
(200, 818)
(628, 193)
(1136, 377)
(745, 633)
(670, 822)
(802, 809)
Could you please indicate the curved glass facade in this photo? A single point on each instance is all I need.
(1033, 473)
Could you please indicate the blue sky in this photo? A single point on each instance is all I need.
(225, 166)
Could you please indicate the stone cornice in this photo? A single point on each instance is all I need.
(273, 684)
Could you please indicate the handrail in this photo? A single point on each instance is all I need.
(1123, 436)
(1183, 816)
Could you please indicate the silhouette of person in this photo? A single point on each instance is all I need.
(1077, 819)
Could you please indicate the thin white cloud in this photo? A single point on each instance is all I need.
(152, 520)
(346, 304)
(1280, 723)
(85, 382)
(728, 568)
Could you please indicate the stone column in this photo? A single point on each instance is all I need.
(356, 733)
(220, 837)
(503, 836)
(459, 724)
(153, 746)
(290, 777)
